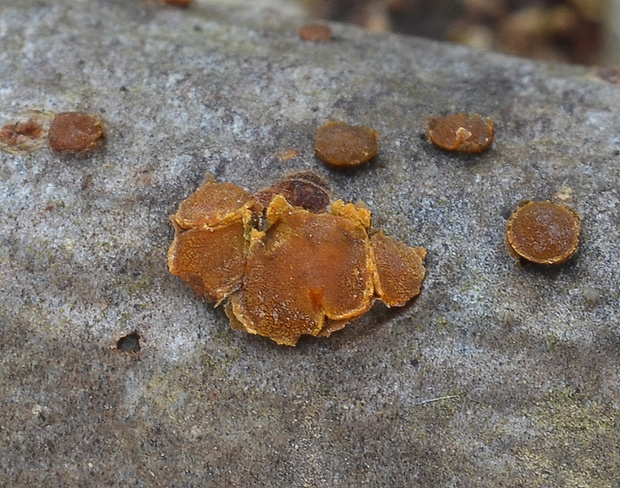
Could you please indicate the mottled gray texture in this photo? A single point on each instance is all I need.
(523, 362)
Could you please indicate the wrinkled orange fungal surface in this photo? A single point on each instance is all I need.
(543, 232)
(285, 271)
(342, 145)
(461, 132)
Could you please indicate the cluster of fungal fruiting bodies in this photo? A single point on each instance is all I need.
(288, 261)
(72, 132)
(289, 268)
(286, 265)
(537, 232)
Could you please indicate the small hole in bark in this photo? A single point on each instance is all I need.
(129, 343)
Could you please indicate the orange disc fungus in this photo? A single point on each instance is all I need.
(543, 232)
(304, 189)
(461, 132)
(210, 241)
(18, 136)
(398, 269)
(315, 33)
(345, 146)
(75, 132)
(297, 272)
(25, 134)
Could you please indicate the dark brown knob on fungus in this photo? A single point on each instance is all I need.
(543, 232)
(303, 189)
(302, 272)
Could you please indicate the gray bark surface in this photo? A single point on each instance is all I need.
(497, 375)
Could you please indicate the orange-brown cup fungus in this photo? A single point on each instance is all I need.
(19, 135)
(461, 132)
(75, 132)
(342, 145)
(211, 238)
(543, 232)
(315, 33)
(294, 271)
(25, 134)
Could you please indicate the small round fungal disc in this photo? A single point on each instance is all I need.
(75, 132)
(461, 132)
(315, 33)
(342, 145)
(543, 232)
